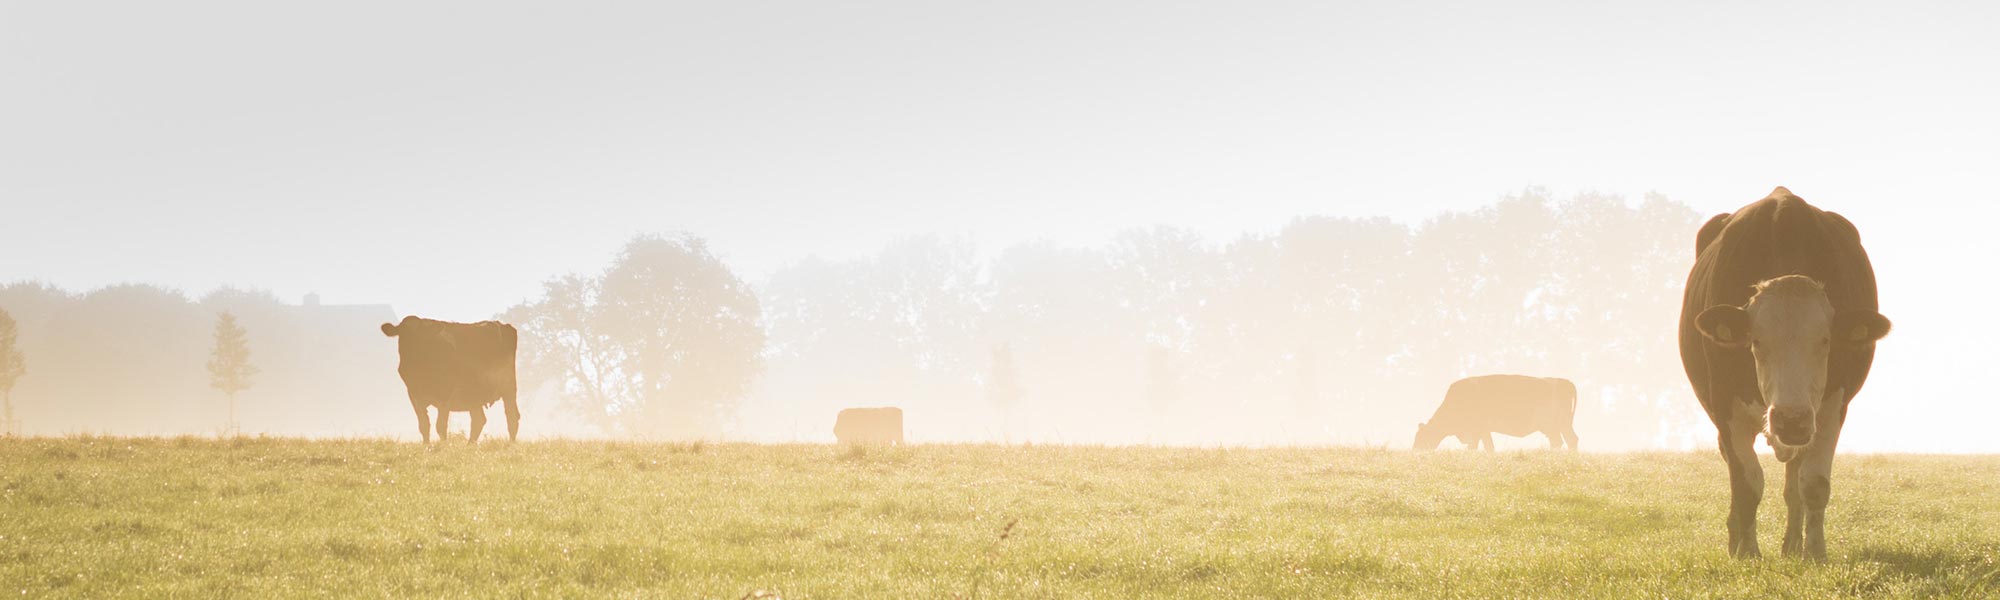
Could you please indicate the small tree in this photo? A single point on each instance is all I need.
(1003, 385)
(12, 367)
(229, 368)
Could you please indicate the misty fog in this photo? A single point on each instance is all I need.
(1201, 223)
(1330, 330)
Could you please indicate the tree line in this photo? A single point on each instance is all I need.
(1341, 330)
(136, 359)
(1328, 330)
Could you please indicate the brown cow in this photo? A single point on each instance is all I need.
(1778, 327)
(1477, 407)
(457, 367)
(869, 426)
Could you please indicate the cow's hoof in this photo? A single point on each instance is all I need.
(1746, 552)
(1815, 554)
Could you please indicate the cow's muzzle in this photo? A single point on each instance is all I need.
(1793, 425)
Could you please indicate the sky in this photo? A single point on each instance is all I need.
(446, 158)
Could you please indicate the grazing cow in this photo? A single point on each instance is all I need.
(1477, 407)
(1777, 331)
(457, 367)
(869, 426)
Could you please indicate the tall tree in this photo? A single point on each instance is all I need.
(563, 345)
(229, 367)
(12, 367)
(663, 343)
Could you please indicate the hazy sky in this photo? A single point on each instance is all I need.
(447, 158)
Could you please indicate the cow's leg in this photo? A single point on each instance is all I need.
(1816, 474)
(1569, 437)
(423, 420)
(1746, 484)
(1555, 439)
(1795, 508)
(1487, 438)
(478, 423)
(513, 416)
(443, 420)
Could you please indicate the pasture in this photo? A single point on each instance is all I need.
(115, 517)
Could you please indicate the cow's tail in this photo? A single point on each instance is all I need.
(510, 339)
(1572, 397)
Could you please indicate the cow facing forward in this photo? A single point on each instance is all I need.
(1475, 408)
(1777, 332)
(869, 426)
(456, 367)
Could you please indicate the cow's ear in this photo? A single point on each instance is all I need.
(389, 329)
(1727, 326)
(1859, 327)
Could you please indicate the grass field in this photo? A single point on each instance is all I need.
(109, 517)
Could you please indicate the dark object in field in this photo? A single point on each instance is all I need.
(1779, 326)
(460, 367)
(869, 426)
(1477, 407)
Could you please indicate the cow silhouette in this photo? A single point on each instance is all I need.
(1475, 408)
(869, 426)
(457, 367)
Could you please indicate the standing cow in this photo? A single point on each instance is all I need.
(1777, 332)
(460, 367)
(869, 426)
(1477, 407)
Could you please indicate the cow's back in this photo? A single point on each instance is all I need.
(869, 426)
(1777, 236)
(485, 363)
(456, 366)
(1515, 405)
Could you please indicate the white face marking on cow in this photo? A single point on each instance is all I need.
(1791, 329)
(1791, 323)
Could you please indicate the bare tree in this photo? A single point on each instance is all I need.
(664, 342)
(229, 367)
(12, 367)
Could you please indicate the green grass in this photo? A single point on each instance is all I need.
(107, 517)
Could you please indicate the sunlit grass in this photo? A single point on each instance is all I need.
(97, 517)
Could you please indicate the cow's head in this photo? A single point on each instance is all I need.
(1790, 328)
(1428, 437)
(408, 327)
(416, 332)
